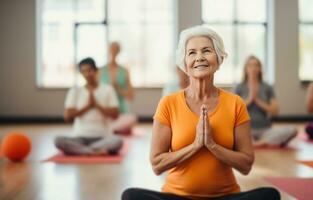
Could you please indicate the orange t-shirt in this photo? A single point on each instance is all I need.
(203, 175)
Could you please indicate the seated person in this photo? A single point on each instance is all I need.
(90, 107)
(260, 100)
(180, 81)
(202, 133)
(119, 78)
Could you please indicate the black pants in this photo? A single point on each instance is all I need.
(256, 194)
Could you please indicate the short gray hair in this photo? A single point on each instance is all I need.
(201, 30)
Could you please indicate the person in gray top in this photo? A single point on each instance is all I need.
(261, 103)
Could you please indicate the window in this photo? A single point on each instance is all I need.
(243, 26)
(70, 30)
(146, 31)
(306, 40)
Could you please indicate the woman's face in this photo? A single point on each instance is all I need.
(201, 58)
(253, 68)
(88, 72)
(114, 49)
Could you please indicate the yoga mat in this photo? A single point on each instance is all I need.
(139, 132)
(61, 158)
(275, 148)
(301, 188)
(304, 137)
(135, 133)
(306, 162)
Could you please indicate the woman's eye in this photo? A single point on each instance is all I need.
(191, 53)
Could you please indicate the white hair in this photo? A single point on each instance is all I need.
(200, 30)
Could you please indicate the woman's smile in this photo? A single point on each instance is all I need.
(201, 67)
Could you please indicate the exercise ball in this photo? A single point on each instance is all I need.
(15, 146)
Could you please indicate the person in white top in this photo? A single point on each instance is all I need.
(90, 107)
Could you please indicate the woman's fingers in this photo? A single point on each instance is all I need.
(204, 107)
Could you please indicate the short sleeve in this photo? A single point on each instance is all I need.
(237, 90)
(113, 101)
(270, 93)
(242, 114)
(162, 113)
(71, 98)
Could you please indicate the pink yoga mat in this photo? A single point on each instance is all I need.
(304, 137)
(136, 133)
(61, 158)
(301, 188)
(275, 148)
(306, 162)
(139, 132)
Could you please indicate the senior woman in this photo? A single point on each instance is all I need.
(202, 132)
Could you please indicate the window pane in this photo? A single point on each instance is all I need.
(159, 54)
(225, 74)
(57, 54)
(146, 50)
(251, 41)
(131, 11)
(91, 42)
(146, 33)
(131, 54)
(90, 10)
(217, 11)
(159, 11)
(240, 40)
(141, 11)
(305, 10)
(251, 11)
(306, 52)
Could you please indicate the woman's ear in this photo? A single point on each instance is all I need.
(222, 60)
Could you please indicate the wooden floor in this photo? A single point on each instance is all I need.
(33, 179)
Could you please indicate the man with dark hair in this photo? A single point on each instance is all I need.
(90, 107)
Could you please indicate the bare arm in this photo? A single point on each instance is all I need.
(309, 99)
(242, 157)
(271, 107)
(160, 156)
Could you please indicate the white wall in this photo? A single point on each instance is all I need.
(19, 95)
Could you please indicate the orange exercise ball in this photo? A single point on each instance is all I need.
(15, 146)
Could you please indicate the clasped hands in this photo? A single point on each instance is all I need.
(91, 100)
(204, 136)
